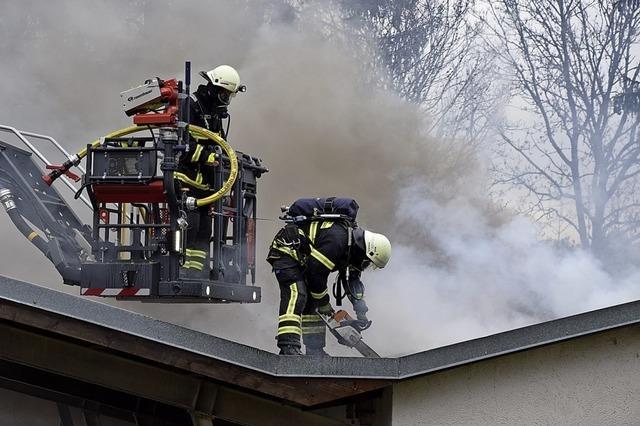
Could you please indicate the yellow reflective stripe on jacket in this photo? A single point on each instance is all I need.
(196, 253)
(293, 298)
(286, 250)
(290, 317)
(184, 178)
(313, 230)
(322, 259)
(319, 295)
(289, 329)
(196, 153)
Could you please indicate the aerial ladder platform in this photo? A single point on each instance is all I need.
(133, 244)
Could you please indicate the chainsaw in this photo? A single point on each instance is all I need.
(348, 332)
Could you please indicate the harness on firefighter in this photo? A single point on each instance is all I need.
(316, 212)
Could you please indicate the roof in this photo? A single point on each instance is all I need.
(142, 336)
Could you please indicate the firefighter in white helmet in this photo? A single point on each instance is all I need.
(208, 109)
(302, 257)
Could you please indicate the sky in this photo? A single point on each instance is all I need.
(459, 270)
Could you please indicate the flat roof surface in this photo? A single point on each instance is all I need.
(42, 299)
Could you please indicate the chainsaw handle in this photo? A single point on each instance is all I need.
(359, 325)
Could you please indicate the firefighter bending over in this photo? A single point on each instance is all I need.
(302, 256)
(208, 109)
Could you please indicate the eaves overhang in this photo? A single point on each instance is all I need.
(41, 299)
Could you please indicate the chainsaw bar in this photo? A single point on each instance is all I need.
(340, 325)
(365, 350)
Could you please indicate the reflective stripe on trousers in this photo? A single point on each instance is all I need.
(195, 259)
(313, 331)
(289, 322)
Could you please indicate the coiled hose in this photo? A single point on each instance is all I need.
(195, 130)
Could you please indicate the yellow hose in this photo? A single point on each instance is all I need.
(116, 134)
(198, 131)
(233, 174)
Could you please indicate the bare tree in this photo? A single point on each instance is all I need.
(425, 50)
(430, 51)
(578, 160)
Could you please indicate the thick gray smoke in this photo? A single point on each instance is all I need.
(485, 277)
(458, 271)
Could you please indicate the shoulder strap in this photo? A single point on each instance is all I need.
(338, 287)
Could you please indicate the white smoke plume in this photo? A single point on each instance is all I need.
(458, 270)
(494, 277)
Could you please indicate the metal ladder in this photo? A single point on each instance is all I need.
(23, 137)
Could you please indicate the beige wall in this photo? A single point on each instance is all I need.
(594, 380)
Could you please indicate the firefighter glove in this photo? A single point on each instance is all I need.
(360, 306)
(326, 310)
(362, 316)
(361, 325)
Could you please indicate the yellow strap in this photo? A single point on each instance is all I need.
(199, 178)
(326, 225)
(196, 153)
(196, 253)
(319, 295)
(32, 235)
(211, 160)
(289, 329)
(322, 259)
(293, 298)
(184, 178)
(290, 317)
(314, 330)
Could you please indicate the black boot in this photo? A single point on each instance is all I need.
(316, 352)
(290, 350)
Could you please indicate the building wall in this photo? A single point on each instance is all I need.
(18, 409)
(22, 410)
(593, 380)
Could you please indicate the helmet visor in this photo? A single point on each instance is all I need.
(366, 264)
(224, 96)
(361, 265)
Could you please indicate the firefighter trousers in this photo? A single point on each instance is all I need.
(297, 312)
(196, 262)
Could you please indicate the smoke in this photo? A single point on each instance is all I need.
(485, 278)
(459, 270)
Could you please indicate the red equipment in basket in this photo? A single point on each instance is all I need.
(169, 92)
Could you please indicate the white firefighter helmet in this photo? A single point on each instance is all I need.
(376, 246)
(225, 77)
